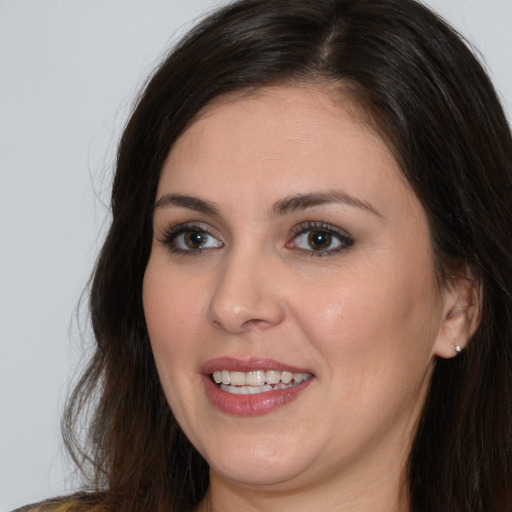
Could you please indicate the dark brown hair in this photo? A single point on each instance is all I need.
(433, 103)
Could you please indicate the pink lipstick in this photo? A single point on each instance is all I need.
(250, 387)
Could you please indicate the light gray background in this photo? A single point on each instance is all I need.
(69, 71)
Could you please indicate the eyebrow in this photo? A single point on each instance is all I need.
(281, 208)
(190, 202)
(299, 202)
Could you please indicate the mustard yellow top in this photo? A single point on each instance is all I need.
(61, 505)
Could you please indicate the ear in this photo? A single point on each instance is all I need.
(462, 300)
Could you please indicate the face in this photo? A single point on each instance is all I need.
(290, 295)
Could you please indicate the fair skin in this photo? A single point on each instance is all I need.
(286, 236)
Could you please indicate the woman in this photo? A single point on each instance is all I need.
(304, 299)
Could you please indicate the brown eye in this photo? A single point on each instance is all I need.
(319, 240)
(190, 239)
(195, 239)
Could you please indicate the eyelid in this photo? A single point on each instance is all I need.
(346, 240)
(171, 233)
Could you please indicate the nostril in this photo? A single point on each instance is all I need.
(244, 326)
(260, 324)
(216, 324)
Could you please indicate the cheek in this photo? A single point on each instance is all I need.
(367, 322)
(376, 338)
(171, 319)
(172, 304)
(171, 313)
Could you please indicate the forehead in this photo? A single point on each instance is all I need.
(277, 122)
(283, 140)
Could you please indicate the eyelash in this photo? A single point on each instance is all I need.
(346, 241)
(171, 235)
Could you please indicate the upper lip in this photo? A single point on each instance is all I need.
(246, 365)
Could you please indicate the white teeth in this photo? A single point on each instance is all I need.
(238, 379)
(255, 378)
(300, 377)
(257, 381)
(272, 377)
(246, 390)
(226, 377)
(286, 377)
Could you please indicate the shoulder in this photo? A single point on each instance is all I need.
(76, 503)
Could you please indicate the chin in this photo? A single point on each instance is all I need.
(256, 474)
(264, 463)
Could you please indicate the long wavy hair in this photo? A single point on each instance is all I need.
(432, 102)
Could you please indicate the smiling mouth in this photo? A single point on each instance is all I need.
(257, 381)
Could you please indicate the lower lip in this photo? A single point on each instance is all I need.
(251, 405)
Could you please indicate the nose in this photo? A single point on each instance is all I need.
(247, 294)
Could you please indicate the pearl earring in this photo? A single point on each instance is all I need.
(457, 347)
